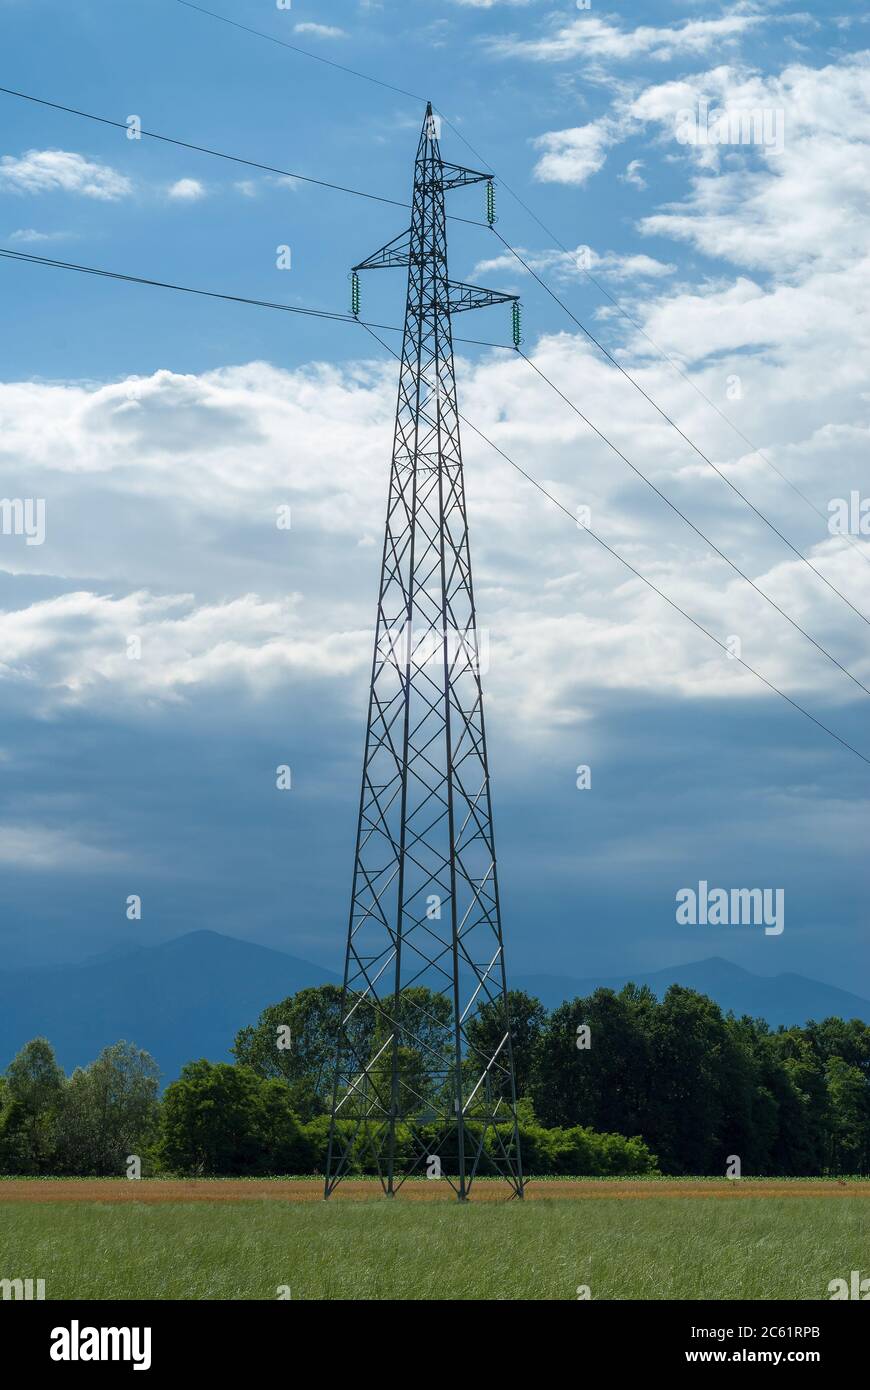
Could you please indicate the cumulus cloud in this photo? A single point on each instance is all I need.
(590, 37)
(50, 171)
(183, 644)
(146, 648)
(569, 265)
(176, 483)
(790, 176)
(768, 209)
(186, 190)
(574, 155)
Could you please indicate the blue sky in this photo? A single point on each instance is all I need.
(163, 432)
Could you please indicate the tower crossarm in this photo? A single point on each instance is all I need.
(456, 176)
(464, 296)
(395, 254)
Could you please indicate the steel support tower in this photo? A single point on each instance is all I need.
(424, 1078)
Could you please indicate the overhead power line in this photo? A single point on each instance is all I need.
(698, 532)
(380, 198)
(351, 72)
(219, 154)
(184, 289)
(5, 253)
(670, 421)
(201, 149)
(306, 52)
(340, 67)
(334, 316)
(367, 77)
(844, 536)
(850, 540)
(639, 575)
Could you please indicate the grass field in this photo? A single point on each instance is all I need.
(624, 1239)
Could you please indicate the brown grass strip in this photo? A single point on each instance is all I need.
(119, 1190)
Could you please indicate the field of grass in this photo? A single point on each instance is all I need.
(684, 1241)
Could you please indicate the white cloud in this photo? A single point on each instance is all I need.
(768, 210)
(29, 236)
(571, 265)
(631, 267)
(320, 31)
(186, 190)
(49, 171)
(77, 646)
(590, 37)
(174, 481)
(573, 156)
(770, 204)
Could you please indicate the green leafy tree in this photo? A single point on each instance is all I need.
(804, 1123)
(837, 1037)
(687, 1101)
(604, 1084)
(221, 1119)
(209, 1120)
(487, 1028)
(109, 1112)
(33, 1092)
(294, 1042)
(848, 1117)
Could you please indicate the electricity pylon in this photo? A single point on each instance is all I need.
(424, 1079)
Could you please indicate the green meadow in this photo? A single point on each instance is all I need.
(667, 1247)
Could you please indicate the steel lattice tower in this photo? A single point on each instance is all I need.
(415, 1081)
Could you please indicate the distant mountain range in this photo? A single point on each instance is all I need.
(780, 999)
(184, 999)
(188, 997)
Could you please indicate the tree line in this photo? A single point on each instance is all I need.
(610, 1084)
